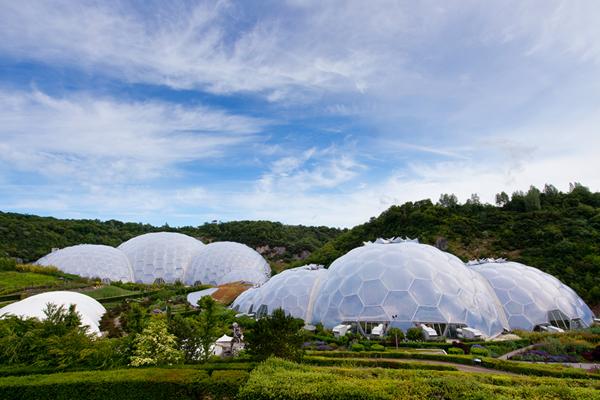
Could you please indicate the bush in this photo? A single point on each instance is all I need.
(414, 334)
(7, 264)
(455, 350)
(377, 347)
(143, 384)
(357, 347)
(477, 350)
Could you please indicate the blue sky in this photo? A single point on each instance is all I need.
(310, 112)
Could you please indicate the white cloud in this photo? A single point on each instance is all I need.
(88, 139)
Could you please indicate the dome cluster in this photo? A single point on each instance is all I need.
(223, 262)
(91, 260)
(403, 283)
(163, 257)
(531, 297)
(88, 308)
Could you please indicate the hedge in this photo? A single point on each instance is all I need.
(374, 363)
(134, 384)
(557, 371)
(277, 379)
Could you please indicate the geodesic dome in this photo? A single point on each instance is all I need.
(531, 297)
(406, 283)
(91, 261)
(293, 290)
(160, 255)
(225, 262)
(244, 303)
(90, 310)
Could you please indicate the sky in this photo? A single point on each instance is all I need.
(304, 112)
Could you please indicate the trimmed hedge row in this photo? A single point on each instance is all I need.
(557, 371)
(277, 379)
(374, 363)
(124, 297)
(208, 367)
(134, 384)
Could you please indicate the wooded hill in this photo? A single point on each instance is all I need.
(551, 230)
(556, 232)
(29, 237)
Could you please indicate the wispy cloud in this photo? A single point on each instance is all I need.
(90, 139)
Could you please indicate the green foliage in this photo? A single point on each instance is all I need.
(130, 384)
(30, 237)
(155, 345)
(455, 350)
(395, 335)
(558, 371)
(277, 379)
(357, 347)
(414, 334)
(276, 335)
(479, 351)
(7, 264)
(377, 347)
(554, 231)
(13, 281)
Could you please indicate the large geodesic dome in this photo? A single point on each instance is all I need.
(405, 283)
(293, 290)
(90, 310)
(160, 256)
(225, 262)
(91, 261)
(531, 297)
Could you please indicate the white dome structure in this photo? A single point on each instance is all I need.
(293, 290)
(91, 261)
(226, 262)
(90, 310)
(531, 297)
(406, 283)
(162, 256)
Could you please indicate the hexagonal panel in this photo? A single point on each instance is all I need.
(401, 305)
(425, 293)
(372, 292)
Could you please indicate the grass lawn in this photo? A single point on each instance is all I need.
(13, 281)
(107, 291)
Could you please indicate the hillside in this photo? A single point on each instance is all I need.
(30, 237)
(554, 231)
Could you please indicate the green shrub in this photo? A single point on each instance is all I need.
(143, 384)
(480, 351)
(455, 350)
(415, 334)
(7, 264)
(277, 379)
(357, 347)
(377, 347)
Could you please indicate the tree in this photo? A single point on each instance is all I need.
(135, 319)
(395, 333)
(208, 326)
(276, 335)
(502, 199)
(532, 199)
(155, 345)
(474, 200)
(414, 334)
(448, 200)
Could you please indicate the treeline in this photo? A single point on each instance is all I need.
(554, 231)
(29, 237)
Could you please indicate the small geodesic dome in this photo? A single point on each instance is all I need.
(90, 310)
(160, 256)
(91, 261)
(226, 262)
(405, 283)
(293, 290)
(531, 297)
